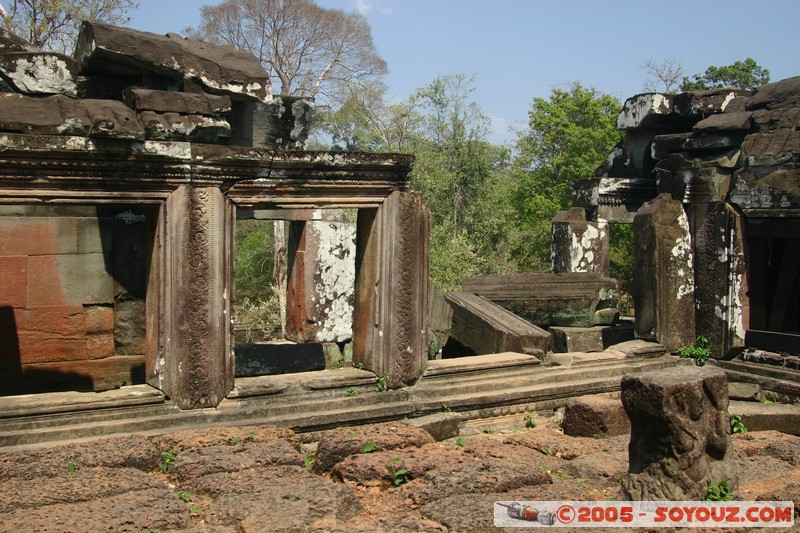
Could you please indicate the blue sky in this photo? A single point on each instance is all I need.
(522, 49)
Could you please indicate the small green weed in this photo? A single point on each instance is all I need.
(459, 441)
(737, 426)
(699, 351)
(184, 496)
(433, 348)
(560, 475)
(339, 363)
(150, 530)
(383, 382)
(359, 366)
(196, 510)
(351, 392)
(718, 493)
(70, 468)
(309, 458)
(488, 431)
(397, 474)
(770, 399)
(167, 460)
(530, 422)
(235, 442)
(446, 408)
(369, 447)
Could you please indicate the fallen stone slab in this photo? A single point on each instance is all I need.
(741, 121)
(708, 102)
(103, 49)
(644, 110)
(761, 416)
(282, 357)
(235, 457)
(596, 417)
(568, 299)
(370, 468)
(182, 128)
(487, 328)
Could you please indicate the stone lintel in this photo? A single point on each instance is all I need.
(392, 270)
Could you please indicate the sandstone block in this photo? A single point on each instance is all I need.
(13, 281)
(704, 103)
(680, 433)
(219, 69)
(664, 274)
(98, 319)
(40, 73)
(595, 416)
(578, 245)
(745, 391)
(644, 110)
(71, 279)
(486, 328)
(176, 102)
(741, 121)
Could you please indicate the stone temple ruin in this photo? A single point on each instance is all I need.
(125, 168)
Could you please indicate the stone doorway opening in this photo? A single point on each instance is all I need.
(774, 283)
(294, 300)
(76, 295)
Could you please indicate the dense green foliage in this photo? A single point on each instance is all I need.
(491, 206)
(745, 74)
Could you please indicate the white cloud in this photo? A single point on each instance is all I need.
(363, 6)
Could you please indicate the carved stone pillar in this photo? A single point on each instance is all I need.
(663, 288)
(720, 283)
(578, 245)
(392, 268)
(321, 279)
(196, 367)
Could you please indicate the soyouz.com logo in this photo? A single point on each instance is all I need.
(643, 514)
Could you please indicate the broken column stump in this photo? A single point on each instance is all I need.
(680, 434)
(577, 299)
(578, 245)
(663, 288)
(485, 327)
(596, 417)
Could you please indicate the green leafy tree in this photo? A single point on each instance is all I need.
(568, 136)
(745, 74)
(54, 24)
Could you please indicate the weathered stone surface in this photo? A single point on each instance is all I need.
(218, 436)
(392, 260)
(237, 456)
(441, 426)
(39, 73)
(759, 416)
(61, 115)
(664, 274)
(13, 43)
(704, 103)
(132, 511)
(554, 444)
(595, 416)
(176, 102)
(485, 327)
(284, 122)
(106, 49)
(643, 110)
(721, 287)
(369, 469)
(741, 121)
(594, 339)
(680, 436)
(249, 499)
(84, 484)
(698, 179)
(665, 145)
(321, 281)
(177, 127)
(569, 299)
(339, 443)
(613, 199)
(745, 391)
(578, 245)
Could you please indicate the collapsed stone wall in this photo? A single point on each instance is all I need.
(731, 158)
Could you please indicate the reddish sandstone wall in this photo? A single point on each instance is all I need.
(57, 301)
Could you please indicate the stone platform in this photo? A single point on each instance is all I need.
(477, 387)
